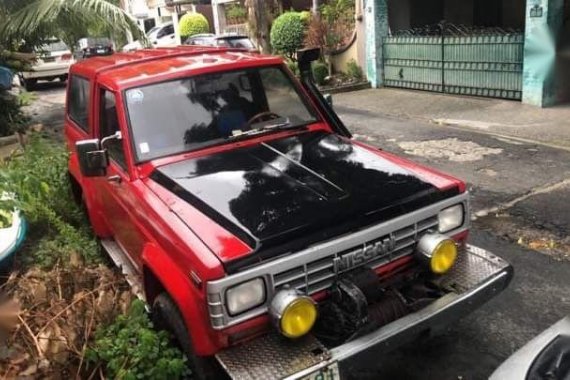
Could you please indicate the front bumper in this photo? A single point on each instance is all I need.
(477, 277)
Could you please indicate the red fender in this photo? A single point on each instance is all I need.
(188, 298)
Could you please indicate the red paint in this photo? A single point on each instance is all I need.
(161, 234)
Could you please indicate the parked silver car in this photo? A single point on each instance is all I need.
(52, 62)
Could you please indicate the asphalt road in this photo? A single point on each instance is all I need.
(528, 179)
(499, 172)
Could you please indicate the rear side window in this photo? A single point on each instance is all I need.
(79, 102)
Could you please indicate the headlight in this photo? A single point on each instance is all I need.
(438, 251)
(293, 313)
(245, 296)
(451, 218)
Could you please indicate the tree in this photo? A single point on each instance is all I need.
(258, 17)
(34, 20)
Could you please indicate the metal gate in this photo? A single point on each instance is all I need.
(486, 63)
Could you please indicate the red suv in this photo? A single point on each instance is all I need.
(258, 231)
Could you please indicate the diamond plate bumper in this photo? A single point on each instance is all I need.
(477, 277)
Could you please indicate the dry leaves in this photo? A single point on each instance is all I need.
(50, 316)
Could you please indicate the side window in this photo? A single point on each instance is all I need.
(79, 102)
(109, 125)
(169, 30)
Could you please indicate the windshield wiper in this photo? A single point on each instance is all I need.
(283, 125)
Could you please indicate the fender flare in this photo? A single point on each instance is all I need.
(183, 291)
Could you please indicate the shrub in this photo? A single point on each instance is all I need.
(353, 71)
(39, 180)
(287, 34)
(131, 349)
(236, 13)
(306, 17)
(192, 24)
(320, 72)
(12, 118)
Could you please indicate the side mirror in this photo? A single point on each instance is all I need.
(93, 160)
(329, 99)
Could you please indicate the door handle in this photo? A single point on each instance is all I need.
(114, 179)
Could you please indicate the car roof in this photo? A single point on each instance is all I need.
(122, 70)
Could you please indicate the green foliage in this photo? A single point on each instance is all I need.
(353, 71)
(131, 349)
(192, 24)
(288, 33)
(294, 67)
(305, 17)
(12, 118)
(320, 72)
(6, 219)
(39, 181)
(236, 13)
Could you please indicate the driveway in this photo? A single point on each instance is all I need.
(517, 191)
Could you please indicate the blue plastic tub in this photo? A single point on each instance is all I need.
(6, 78)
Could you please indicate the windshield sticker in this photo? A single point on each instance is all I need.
(144, 148)
(136, 96)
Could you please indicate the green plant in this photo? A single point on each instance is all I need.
(293, 66)
(131, 349)
(320, 72)
(353, 71)
(12, 118)
(236, 13)
(305, 17)
(38, 179)
(192, 24)
(287, 34)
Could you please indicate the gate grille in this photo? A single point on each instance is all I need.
(457, 63)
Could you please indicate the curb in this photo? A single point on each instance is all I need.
(8, 140)
(346, 88)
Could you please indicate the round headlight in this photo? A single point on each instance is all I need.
(439, 251)
(293, 313)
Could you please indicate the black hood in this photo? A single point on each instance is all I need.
(285, 194)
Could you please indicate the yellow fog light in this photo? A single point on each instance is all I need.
(293, 313)
(439, 251)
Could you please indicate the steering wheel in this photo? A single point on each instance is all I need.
(263, 116)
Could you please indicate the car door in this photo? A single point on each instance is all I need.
(118, 202)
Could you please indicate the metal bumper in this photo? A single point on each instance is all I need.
(477, 277)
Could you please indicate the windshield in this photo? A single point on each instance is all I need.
(182, 115)
(242, 43)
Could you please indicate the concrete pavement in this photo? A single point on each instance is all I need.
(493, 116)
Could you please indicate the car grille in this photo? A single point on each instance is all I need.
(319, 275)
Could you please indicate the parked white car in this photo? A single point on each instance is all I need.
(53, 62)
(159, 36)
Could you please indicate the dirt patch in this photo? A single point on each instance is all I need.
(517, 231)
(48, 317)
(452, 149)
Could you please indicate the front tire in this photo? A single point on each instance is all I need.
(166, 316)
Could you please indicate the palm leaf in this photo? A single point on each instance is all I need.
(36, 14)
